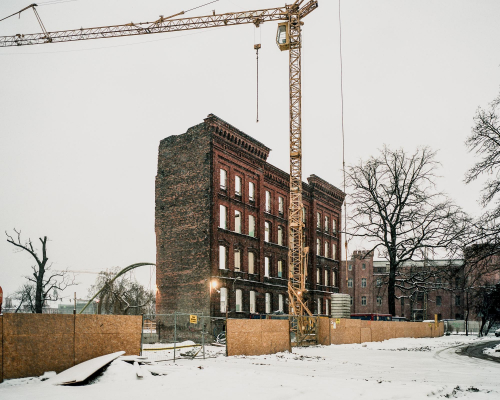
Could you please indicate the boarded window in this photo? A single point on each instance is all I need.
(223, 217)
(268, 303)
(222, 257)
(268, 201)
(318, 277)
(318, 220)
(327, 307)
(223, 299)
(237, 185)
(267, 231)
(251, 226)
(237, 260)
(251, 191)
(252, 302)
(239, 300)
(251, 263)
(237, 221)
(223, 179)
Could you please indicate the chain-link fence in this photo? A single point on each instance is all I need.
(169, 337)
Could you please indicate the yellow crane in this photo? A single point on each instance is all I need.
(288, 39)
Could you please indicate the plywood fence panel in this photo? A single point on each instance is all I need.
(324, 326)
(257, 337)
(1, 349)
(35, 343)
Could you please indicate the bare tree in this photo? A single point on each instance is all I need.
(122, 295)
(396, 207)
(45, 281)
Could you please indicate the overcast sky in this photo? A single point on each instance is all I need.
(80, 122)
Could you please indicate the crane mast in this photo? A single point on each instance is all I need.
(292, 16)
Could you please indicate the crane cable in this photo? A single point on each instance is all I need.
(257, 46)
(343, 139)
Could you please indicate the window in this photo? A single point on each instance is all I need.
(251, 226)
(349, 267)
(379, 282)
(252, 302)
(379, 301)
(280, 235)
(352, 302)
(280, 302)
(304, 215)
(268, 201)
(280, 205)
(363, 282)
(334, 278)
(280, 269)
(318, 247)
(327, 307)
(402, 302)
(334, 226)
(237, 185)
(327, 223)
(318, 277)
(223, 299)
(267, 231)
(237, 221)
(268, 303)
(267, 266)
(222, 257)
(318, 220)
(349, 282)
(251, 191)
(457, 300)
(326, 277)
(239, 300)
(327, 247)
(251, 263)
(223, 217)
(363, 266)
(363, 300)
(438, 300)
(319, 306)
(334, 251)
(237, 260)
(223, 179)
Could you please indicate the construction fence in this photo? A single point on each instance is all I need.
(182, 335)
(31, 344)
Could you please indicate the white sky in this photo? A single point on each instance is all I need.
(80, 122)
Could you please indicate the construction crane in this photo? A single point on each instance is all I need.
(288, 39)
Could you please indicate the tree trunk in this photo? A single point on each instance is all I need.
(391, 292)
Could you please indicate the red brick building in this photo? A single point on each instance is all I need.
(222, 226)
(365, 280)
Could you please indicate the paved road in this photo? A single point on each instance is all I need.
(476, 350)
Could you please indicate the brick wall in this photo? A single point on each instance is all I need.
(182, 222)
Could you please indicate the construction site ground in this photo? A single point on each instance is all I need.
(393, 369)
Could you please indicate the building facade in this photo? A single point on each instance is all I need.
(221, 222)
(365, 280)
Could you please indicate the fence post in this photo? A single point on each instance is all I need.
(175, 331)
(203, 340)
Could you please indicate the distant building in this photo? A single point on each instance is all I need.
(365, 280)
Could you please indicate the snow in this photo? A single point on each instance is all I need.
(493, 351)
(394, 369)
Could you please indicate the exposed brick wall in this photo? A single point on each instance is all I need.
(199, 155)
(182, 219)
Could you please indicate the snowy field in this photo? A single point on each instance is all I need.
(494, 351)
(394, 369)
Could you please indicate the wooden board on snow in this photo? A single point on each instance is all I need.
(82, 371)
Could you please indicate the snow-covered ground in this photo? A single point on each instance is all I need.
(394, 369)
(493, 351)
